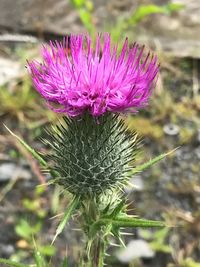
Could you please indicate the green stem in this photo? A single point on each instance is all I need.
(101, 253)
(95, 243)
(96, 254)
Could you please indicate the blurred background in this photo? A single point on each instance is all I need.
(169, 190)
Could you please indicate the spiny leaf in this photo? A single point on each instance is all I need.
(72, 206)
(30, 149)
(117, 209)
(105, 211)
(127, 221)
(117, 234)
(94, 228)
(152, 162)
(12, 263)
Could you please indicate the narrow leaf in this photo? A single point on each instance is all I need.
(12, 263)
(152, 162)
(133, 222)
(172, 7)
(30, 149)
(127, 221)
(145, 10)
(72, 206)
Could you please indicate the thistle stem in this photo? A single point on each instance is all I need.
(95, 243)
(97, 253)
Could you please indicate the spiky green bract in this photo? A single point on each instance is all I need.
(91, 156)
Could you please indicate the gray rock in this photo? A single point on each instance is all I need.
(7, 250)
(135, 249)
(171, 129)
(177, 34)
(9, 70)
(18, 38)
(39, 16)
(9, 170)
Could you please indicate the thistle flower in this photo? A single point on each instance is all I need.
(94, 80)
(92, 158)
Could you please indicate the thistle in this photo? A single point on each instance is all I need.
(92, 152)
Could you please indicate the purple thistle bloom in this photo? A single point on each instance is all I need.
(82, 79)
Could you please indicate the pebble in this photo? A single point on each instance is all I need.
(9, 171)
(171, 129)
(7, 250)
(135, 249)
(9, 70)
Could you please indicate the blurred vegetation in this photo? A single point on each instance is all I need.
(29, 228)
(85, 9)
(123, 24)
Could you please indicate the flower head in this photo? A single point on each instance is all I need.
(95, 79)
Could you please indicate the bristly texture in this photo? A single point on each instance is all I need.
(91, 158)
(94, 79)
